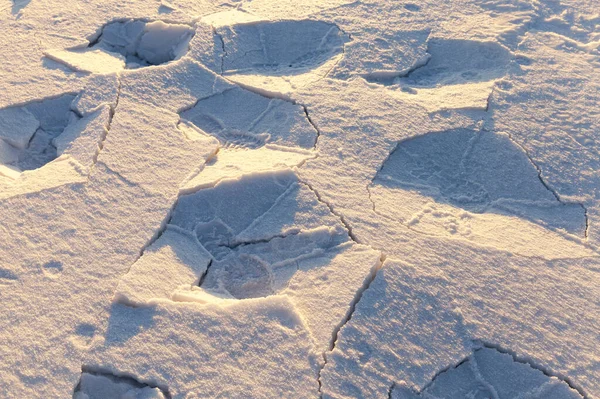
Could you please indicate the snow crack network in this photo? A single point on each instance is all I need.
(316, 199)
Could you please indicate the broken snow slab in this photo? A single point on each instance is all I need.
(174, 87)
(61, 171)
(100, 90)
(477, 185)
(242, 118)
(230, 163)
(458, 74)
(283, 242)
(469, 96)
(107, 386)
(17, 126)
(176, 258)
(414, 321)
(488, 373)
(128, 44)
(58, 131)
(211, 350)
(99, 61)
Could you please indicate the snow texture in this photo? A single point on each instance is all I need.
(300, 199)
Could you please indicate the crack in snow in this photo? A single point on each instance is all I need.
(467, 151)
(357, 297)
(314, 125)
(547, 186)
(222, 41)
(535, 365)
(111, 115)
(328, 205)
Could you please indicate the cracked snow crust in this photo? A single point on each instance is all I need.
(317, 199)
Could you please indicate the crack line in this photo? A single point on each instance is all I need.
(354, 303)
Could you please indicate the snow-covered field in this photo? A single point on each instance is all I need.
(300, 199)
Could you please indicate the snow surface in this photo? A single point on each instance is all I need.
(315, 199)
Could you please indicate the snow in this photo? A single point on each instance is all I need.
(316, 199)
(129, 44)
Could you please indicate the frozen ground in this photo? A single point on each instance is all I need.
(300, 199)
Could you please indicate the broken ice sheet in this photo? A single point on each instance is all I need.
(480, 172)
(242, 118)
(232, 221)
(488, 373)
(108, 386)
(128, 44)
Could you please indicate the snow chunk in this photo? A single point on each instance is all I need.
(234, 163)
(176, 258)
(8, 153)
(17, 126)
(162, 42)
(99, 91)
(93, 61)
(82, 138)
(107, 386)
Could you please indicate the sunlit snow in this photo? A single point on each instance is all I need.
(300, 199)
